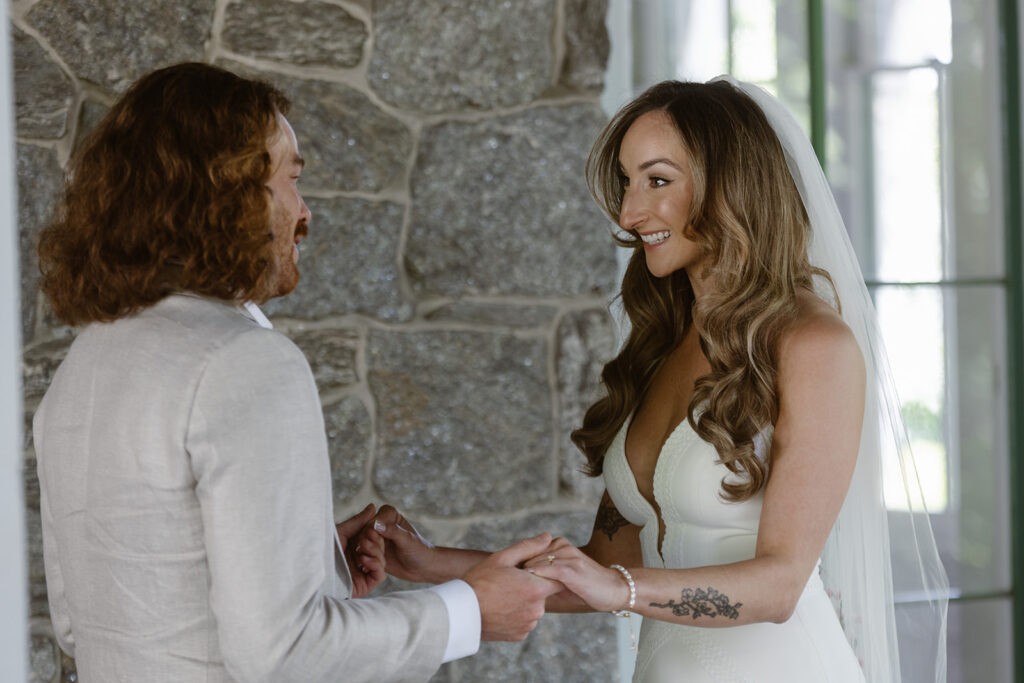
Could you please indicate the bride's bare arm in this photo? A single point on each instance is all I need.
(814, 450)
(613, 541)
(412, 558)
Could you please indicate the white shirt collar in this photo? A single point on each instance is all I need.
(257, 315)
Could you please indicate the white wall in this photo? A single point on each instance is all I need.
(13, 611)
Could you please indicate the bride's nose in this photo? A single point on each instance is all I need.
(632, 213)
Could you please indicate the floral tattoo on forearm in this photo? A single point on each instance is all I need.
(702, 603)
(609, 519)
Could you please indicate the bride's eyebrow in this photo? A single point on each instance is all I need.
(660, 160)
(647, 164)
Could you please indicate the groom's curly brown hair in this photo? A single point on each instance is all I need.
(166, 194)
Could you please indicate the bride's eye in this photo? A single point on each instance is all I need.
(658, 182)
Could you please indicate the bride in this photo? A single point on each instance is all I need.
(745, 417)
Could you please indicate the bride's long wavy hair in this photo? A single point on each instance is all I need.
(746, 216)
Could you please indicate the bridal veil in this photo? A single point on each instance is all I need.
(879, 552)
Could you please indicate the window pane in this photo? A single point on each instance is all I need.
(912, 324)
(979, 643)
(907, 177)
(794, 76)
(976, 144)
(911, 32)
(980, 646)
(948, 357)
(755, 56)
(703, 46)
(907, 156)
(664, 32)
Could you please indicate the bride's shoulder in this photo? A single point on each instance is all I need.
(817, 340)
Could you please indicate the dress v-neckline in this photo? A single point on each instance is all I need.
(659, 539)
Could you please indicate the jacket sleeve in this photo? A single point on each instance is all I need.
(259, 455)
(59, 613)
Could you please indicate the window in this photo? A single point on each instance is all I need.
(905, 100)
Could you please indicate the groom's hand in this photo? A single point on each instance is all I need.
(511, 599)
(364, 556)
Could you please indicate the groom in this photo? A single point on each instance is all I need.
(186, 499)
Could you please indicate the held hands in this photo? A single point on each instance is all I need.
(600, 587)
(408, 555)
(511, 600)
(364, 555)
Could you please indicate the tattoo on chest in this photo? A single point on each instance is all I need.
(700, 602)
(609, 519)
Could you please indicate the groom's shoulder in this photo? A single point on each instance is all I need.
(202, 326)
(198, 315)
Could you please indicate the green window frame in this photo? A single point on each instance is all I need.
(652, 57)
(1014, 270)
(1012, 282)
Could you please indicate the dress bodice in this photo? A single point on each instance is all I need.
(701, 526)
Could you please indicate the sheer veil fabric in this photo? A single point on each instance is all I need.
(875, 554)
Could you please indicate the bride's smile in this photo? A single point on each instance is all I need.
(657, 193)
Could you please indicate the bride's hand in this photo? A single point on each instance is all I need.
(600, 587)
(409, 556)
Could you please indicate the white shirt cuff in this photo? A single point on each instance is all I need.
(463, 619)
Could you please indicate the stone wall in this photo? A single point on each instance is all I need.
(454, 283)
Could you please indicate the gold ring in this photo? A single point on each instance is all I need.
(551, 559)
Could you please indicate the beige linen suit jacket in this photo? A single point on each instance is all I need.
(187, 522)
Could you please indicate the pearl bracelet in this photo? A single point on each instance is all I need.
(632, 591)
(632, 603)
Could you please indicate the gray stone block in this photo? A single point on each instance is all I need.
(564, 648)
(37, 601)
(38, 365)
(88, 118)
(574, 525)
(40, 181)
(30, 474)
(347, 424)
(500, 206)
(349, 263)
(586, 341)
(27, 441)
(463, 421)
(586, 44)
(332, 355)
(349, 143)
(444, 675)
(44, 658)
(436, 56)
(308, 34)
(114, 42)
(51, 323)
(491, 313)
(42, 91)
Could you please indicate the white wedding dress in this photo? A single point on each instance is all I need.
(702, 529)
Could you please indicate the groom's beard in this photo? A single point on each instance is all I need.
(285, 265)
